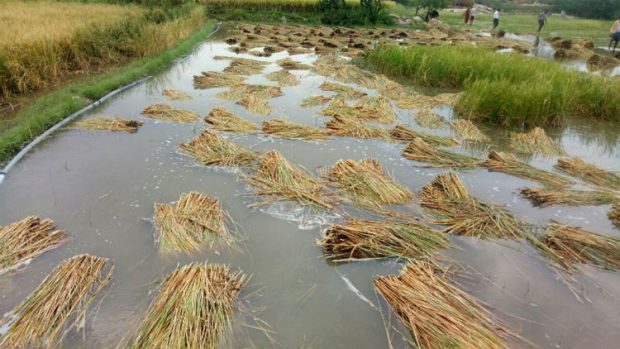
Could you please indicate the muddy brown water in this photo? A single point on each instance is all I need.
(99, 187)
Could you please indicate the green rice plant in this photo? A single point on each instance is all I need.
(402, 133)
(419, 150)
(549, 197)
(508, 163)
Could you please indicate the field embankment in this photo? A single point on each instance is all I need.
(505, 89)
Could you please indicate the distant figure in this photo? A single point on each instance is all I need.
(542, 20)
(466, 15)
(495, 18)
(472, 15)
(431, 15)
(614, 34)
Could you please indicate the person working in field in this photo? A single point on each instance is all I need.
(472, 15)
(542, 20)
(466, 15)
(614, 34)
(495, 18)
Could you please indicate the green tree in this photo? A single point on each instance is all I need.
(604, 9)
(372, 9)
(429, 5)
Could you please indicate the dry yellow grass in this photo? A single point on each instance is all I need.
(535, 141)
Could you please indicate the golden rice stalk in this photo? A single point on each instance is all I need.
(468, 131)
(255, 105)
(427, 118)
(216, 79)
(245, 66)
(367, 184)
(176, 95)
(363, 239)
(614, 213)
(375, 109)
(402, 133)
(314, 101)
(193, 310)
(279, 180)
(508, 163)
(447, 98)
(223, 120)
(590, 173)
(44, 317)
(299, 51)
(105, 123)
(237, 92)
(535, 141)
(286, 129)
(340, 70)
(289, 64)
(351, 127)
(27, 239)
(548, 197)
(283, 77)
(448, 200)
(438, 314)
(421, 151)
(168, 113)
(193, 221)
(343, 91)
(213, 150)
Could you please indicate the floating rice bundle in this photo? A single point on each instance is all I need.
(367, 184)
(105, 123)
(403, 133)
(255, 105)
(283, 77)
(421, 151)
(363, 239)
(168, 113)
(340, 70)
(281, 181)
(343, 91)
(468, 131)
(216, 79)
(27, 239)
(548, 197)
(176, 95)
(193, 221)
(587, 172)
(223, 120)
(43, 318)
(352, 127)
(447, 199)
(289, 64)
(508, 163)
(245, 66)
(287, 129)
(237, 92)
(193, 310)
(314, 101)
(213, 150)
(535, 141)
(367, 108)
(427, 118)
(296, 50)
(614, 214)
(438, 314)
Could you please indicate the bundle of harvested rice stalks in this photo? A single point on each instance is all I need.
(176, 95)
(43, 318)
(427, 118)
(548, 197)
(237, 92)
(314, 101)
(421, 151)
(438, 314)
(245, 66)
(27, 239)
(508, 163)
(447, 199)
(298, 50)
(286, 129)
(614, 214)
(367, 184)
(362, 239)
(193, 310)
(589, 172)
(343, 91)
(367, 108)
(535, 141)
(352, 127)
(281, 181)
(468, 131)
(168, 113)
(255, 105)
(447, 98)
(289, 64)
(283, 77)
(223, 120)
(402, 133)
(105, 123)
(216, 79)
(188, 225)
(213, 150)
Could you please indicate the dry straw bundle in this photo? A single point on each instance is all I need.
(286, 129)
(447, 98)
(296, 50)
(193, 310)
(427, 118)
(402, 133)
(216, 79)
(353, 127)
(589, 173)
(508, 163)
(255, 105)
(194, 220)
(342, 91)
(167, 113)
(362, 239)
(289, 64)
(237, 92)
(549, 197)
(223, 120)
(176, 95)
(376, 109)
(419, 150)
(438, 314)
(366, 183)
(105, 123)
(447, 199)
(535, 141)
(213, 150)
(614, 214)
(314, 101)
(283, 77)
(43, 318)
(245, 66)
(468, 131)
(26, 239)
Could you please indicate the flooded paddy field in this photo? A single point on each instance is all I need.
(99, 187)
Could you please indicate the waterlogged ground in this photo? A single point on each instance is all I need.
(100, 188)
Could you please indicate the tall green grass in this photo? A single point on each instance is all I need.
(504, 89)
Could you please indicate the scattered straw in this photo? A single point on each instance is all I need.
(283, 77)
(216, 79)
(168, 113)
(255, 105)
(589, 173)
(314, 101)
(193, 310)
(535, 141)
(402, 133)
(468, 130)
(43, 318)
(289, 64)
(614, 213)
(419, 150)
(352, 127)
(237, 92)
(299, 51)
(429, 119)
(343, 91)
(508, 163)
(109, 124)
(245, 66)
(223, 120)
(176, 95)
(213, 150)
(549, 197)
(376, 109)
(286, 129)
